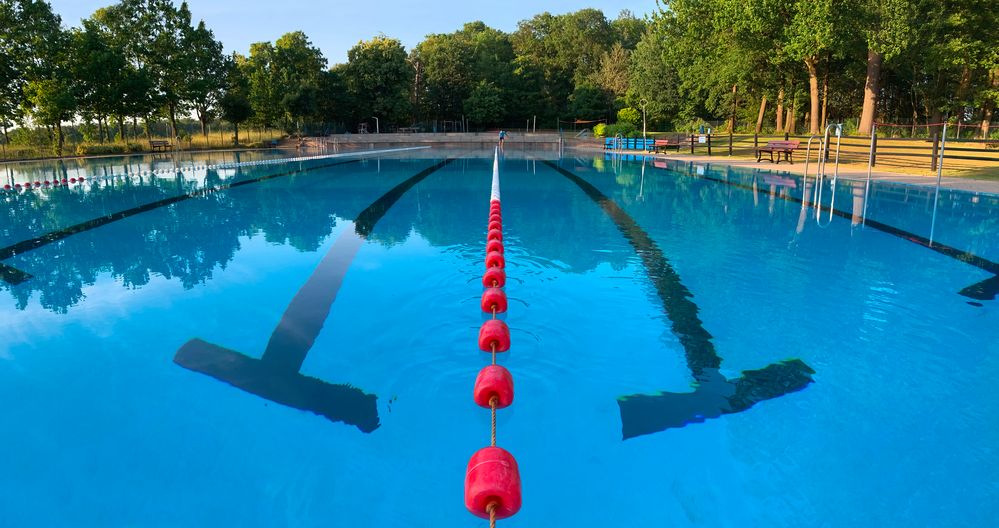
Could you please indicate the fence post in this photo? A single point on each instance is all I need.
(787, 136)
(936, 145)
(729, 142)
(691, 143)
(756, 140)
(709, 144)
(874, 151)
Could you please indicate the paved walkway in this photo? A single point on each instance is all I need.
(951, 182)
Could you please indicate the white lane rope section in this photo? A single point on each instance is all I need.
(256, 163)
(496, 188)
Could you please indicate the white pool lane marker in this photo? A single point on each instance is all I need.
(496, 188)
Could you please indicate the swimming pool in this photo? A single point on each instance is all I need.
(691, 345)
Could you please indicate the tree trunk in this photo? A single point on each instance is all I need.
(986, 120)
(235, 129)
(149, 135)
(121, 129)
(735, 104)
(135, 128)
(173, 121)
(203, 117)
(871, 89)
(789, 126)
(759, 117)
(813, 94)
(61, 138)
(825, 96)
(6, 138)
(935, 118)
(780, 111)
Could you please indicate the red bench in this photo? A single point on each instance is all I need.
(786, 148)
(665, 144)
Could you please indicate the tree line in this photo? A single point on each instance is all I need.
(763, 65)
(901, 61)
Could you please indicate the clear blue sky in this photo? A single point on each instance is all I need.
(335, 26)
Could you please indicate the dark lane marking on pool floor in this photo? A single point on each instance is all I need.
(13, 276)
(984, 290)
(714, 394)
(275, 376)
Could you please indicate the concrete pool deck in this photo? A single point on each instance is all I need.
(950, 182)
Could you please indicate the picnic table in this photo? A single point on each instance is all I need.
(785, 148)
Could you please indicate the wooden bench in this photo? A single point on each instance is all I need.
(786, 148)
(666, 144)
(159, 144)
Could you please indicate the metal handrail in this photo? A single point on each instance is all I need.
(821, 173)
(808, 155)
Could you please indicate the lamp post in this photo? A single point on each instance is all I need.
(643, 102)
(377, 128)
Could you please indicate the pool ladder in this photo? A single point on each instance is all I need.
(820, 173)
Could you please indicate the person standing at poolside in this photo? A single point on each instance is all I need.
(502, 137)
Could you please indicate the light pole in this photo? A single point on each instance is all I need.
(643, 102)
(377, 129)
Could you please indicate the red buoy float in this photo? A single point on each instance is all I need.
(495, 217)
(494, 245)
(492, 482)
(494, 234)
(494, 333)
(493, 299)
(495, 260)
(494, 277)
(7, 187)
(496, 224)
(493, 381)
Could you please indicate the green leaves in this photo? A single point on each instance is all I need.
(484, 105)
(379, 78)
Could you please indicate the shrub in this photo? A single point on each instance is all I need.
(600, 130)
(84, 149)
(629, 115)
(625, 129)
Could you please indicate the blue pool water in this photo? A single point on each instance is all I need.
(691, 346)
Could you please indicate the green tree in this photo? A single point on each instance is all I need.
(234, 104)
(31, 46)
(264, 90)
(613, 74)
(484, 105)
(629, 115)
(447, 73)
(628, 29)
(653, 77)
(589, 102)
(207, 77)
(97, 71)
(378, 77)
